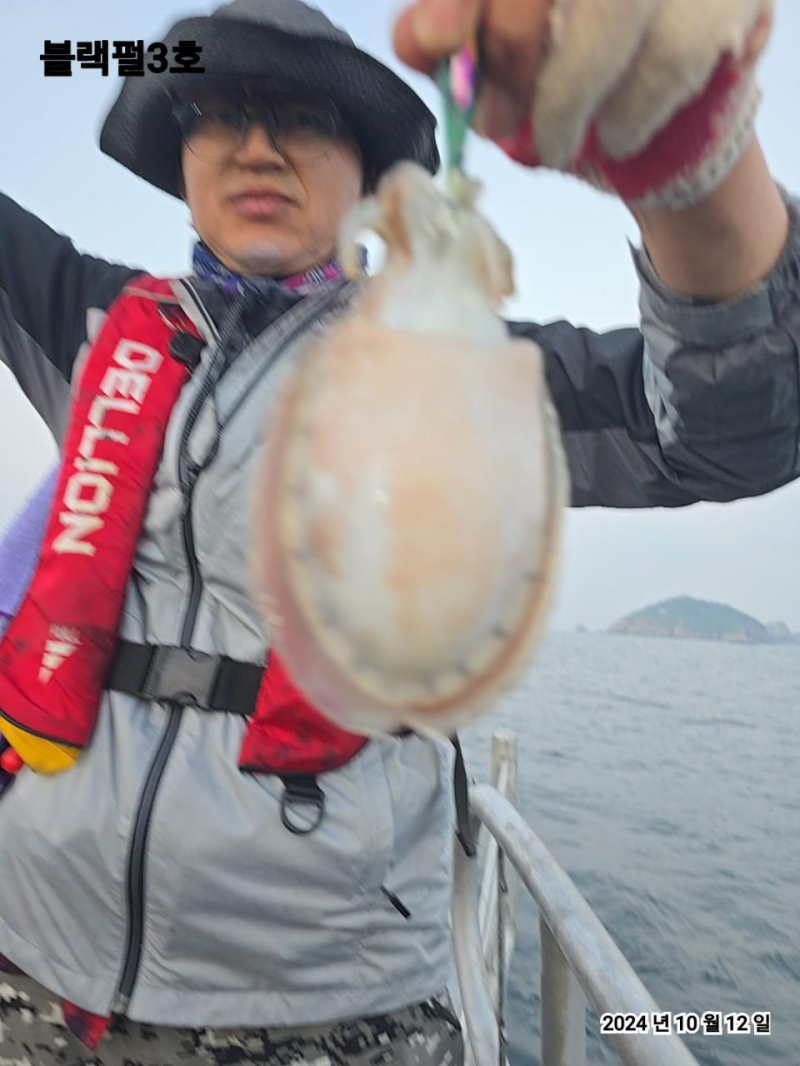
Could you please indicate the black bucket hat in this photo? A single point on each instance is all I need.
(287, 48)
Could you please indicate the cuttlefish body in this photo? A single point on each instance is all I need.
(410, 503)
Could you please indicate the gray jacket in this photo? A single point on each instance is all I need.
(155, 877)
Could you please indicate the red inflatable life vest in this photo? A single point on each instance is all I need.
(57, 652)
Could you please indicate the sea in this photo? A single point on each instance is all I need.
(664, 776)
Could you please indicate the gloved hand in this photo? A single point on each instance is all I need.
(652, 99)
(10, 765)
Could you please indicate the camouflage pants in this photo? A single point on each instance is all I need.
(32, 1033)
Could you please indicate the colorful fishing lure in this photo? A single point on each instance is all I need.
(458, 81)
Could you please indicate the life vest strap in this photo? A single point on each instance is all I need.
(465, 829)
(303, 803)
(217, 683)
(185, 676)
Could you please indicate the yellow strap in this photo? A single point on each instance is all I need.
(43, 756)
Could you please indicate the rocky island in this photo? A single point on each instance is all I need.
(689, 619)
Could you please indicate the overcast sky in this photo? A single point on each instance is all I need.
(572, 261)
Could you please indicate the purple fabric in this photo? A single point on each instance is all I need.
(19, 552)
(19, 547)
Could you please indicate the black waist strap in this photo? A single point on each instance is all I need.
(217, 683)
(182, 675)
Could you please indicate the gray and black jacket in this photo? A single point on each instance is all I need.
(155, 877)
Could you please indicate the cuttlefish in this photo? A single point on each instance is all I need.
(410, 502)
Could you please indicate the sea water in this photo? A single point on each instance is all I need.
(663, 775)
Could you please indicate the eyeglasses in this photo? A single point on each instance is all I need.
(215, 131)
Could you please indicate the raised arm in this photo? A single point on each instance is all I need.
(654, 103)
(702, 404)
(51, 296)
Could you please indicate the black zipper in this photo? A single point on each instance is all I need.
(135, 873)
(188, 474)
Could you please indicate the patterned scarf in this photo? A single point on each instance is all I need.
(206, 265)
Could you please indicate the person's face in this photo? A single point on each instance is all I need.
(262, 209)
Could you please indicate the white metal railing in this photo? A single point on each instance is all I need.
(579, 960)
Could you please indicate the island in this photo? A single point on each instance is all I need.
(689, 619)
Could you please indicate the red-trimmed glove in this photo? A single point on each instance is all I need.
(654, 100)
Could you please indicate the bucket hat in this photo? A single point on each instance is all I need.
(285, 47)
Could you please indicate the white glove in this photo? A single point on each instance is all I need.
(652, 99)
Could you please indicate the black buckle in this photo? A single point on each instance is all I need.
(182, 675)
(187, 349)
(302, 791)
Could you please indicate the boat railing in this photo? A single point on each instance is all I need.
(580, 965)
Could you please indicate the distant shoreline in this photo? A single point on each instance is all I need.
(685, 618)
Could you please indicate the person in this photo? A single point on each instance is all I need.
(170, 889)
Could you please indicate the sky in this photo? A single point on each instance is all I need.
(572, 261)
